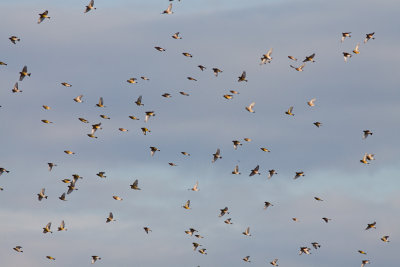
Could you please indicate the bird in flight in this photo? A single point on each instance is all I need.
(345, 35)
(90, 6)
(217, 155)
(95, 258)
(247, 232)
(266, 58)
(290, 111)
(255, 171)
(43, 16)
(250, 107)
(168, 10)
(298, 68)
(41, 195)
(187, 205)
(14, 39)
(110, 218)
(242, 77)
(135, 185)
(369, 36)
(24, 73)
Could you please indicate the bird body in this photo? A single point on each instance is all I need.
(217, 155)
(135, 185)
(90, 6)
(24, 73)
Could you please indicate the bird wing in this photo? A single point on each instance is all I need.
(101, 101)
(25, 69)
(135, 183)
(269, 53)
(290, 110)
(42, 191)
(48, 226)
(169, 8)
(111, 216)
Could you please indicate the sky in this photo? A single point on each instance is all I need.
(99, 51)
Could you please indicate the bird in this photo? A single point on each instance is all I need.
(14, 39)
(247, 259)
(47, 121)
(16, 89)
(147, 229)
(66, 84)
(227, 96)
(299, 174)
(172, 164)
(195, 245)
(2, 170)
(145, 130)
(187, 54)
(356, 51)
(273, 263)
(271, 173)
(166, 95)
(46, 107)
(62, 197)
(133, 118)
(46, 229)
(195, 187)
(290, 111)
(236, 170)
(41, 194)
(132, 80)
(191, 79)
(315, 245)
(24, 73)
(292, 58)
(217, 155)
(310, 58)
(71, 187)
(371, 225)
(216, 71)
(95, 258)
(242, 77)
(318, 199)
(101, 103)
(66, 181)
(305, 250)
(158, 48)
(18, 249)
(266, 58)
(203, 251)
(345, 35)
(51, 258)
(370, 157)
(300, 68)
(153, 150)
(295, 219)
(267, 204)
(148, 115)
(247, 232)
(369, 36)
(117, 198)
(185, 153)
(110, 218)
(228, 221)
(144, 78)
(187, 205)
(123, 130)
(317, 123)
(236, 143)
(247, 139)
(311, 103)
(366, 133)
(364, 159)
(362, 252)
(326, 219)
(83, 120)
(346, 56)
(62, 226)
(191, 231)
(168, 10)
(202, 68)
(105, 117)
(176, 36)
(183, 93)
(138, 101)
(90, 6)
(255, 171)
(223, 212)
(234, 92)
(96, 127)
(385, 238)
(135, 185)
(265, 149)
(101, 174)
(69, 152)
(363, 262)
(199, 236)
(250, 107)
(2, 63)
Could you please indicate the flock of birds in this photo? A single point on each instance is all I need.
(266, 58)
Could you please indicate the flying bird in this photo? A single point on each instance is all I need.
(299, 174)
(274, 262)
(18, 249)
(66, 84)
(41, 194)
(316, 245)
(305, 250)
(101, 103)
(14, 39)
(216, 71)
(371, 225)
(247, 232)
(366, 133)
(62, 226)
(271, 173)
(176, 36)
(110, 218)
(24, 73)
(135, 185)
(267, 204)
(187, 205)
(326, 219)
(356, 51)
(223, 212)
(46, 229)
(217, 155)
(310, 58)
(346, 56)
(90, 6)
(195, 187)
(250, 107)
(292, 58)
(385, 238)
(159, 49)
(266, 58)
(290, 111)
(95, 258)
(246, 259)
(202, 68)
(168, 10)
(363, 262)
(147, 229)
(236, 170)
(242, 77)
(311, 103)
(16, 89)
(153, 150)
(255, 171)
(298, 68)
(369, 36)
(345, 35)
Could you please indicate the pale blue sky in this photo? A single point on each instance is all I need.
(97, 52)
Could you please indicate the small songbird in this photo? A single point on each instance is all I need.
(191, 79)
(267, 204)
(317, 123)
(246, 259)
(41, 194)
(176, 36)
(187, 54)
(132, 80)
(134, 118)
(299, 174)
(138, 101)
(310, 58)
(123, 130)
(356, 51)
(46, 229)
(247, 232)
(66, 84)
(51, 165)
(110, 218)
(2, 170)
(62, 197)
(24, 73)
(315, 245)
(295, 219)
(228, 96)
(2, 63)
(117, 198)
(101, 174)
(101, 103)
(202, 68)
(168, 10)
(47, 121)
(62, 226)
(223, 212)
(153, 150)
(16, 89)
(95, 258)
(345, 35)
(105, 117)
(326, 219)
(69, 152)
(364, 159)
(172, 164)
(135, 185)
(265, 149)
(371, 225)
(292, 58)
(366, 133)
(236, 170)
(217, 155)
(183, 93)
(318, 199)
(18, 249)
(46, 107)
(51, 258)
(369, 36)
(216, 71)
(90, 6)
(236, 143)
(228, 221)
(385, 238)
(305, 250)
(242, 77)
(234, 92)
(195, 187)
(346, 56)
(191, 231)
(83, 120)
(364, 262)
(187, 205)
(290, 111)
(14, 39)
(266, 58)
(362, 252)
(158, 48)
(274, 262)
(147, 229)
(255, 171)
(185, 153)
(203, 251)
(250, 107)
(145, 130)
(144, 78)
(195, 245)
(148, 115)
(300, 68)
(166, 95)
(311, 103)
